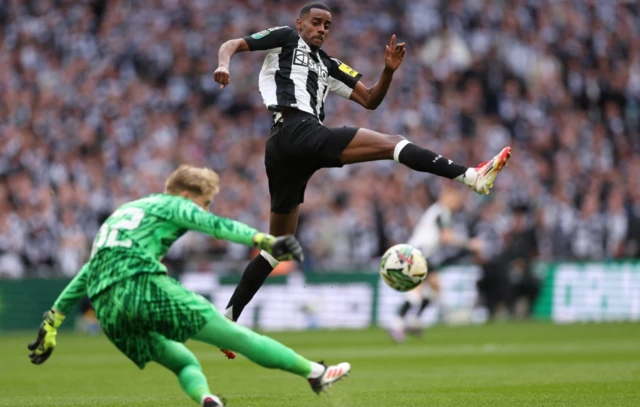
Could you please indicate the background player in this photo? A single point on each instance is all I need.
(294, 82)
(147, 314)
(434, 230)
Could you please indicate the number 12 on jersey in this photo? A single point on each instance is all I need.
(130, 219)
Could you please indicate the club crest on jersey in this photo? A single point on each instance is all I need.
(301, 58)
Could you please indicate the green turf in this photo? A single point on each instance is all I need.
(493, 365)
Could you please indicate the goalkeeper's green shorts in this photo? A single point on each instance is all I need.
(139, 314)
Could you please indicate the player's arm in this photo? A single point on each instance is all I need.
(192, 217)
(73, 292)
(261, 41)
(44, 344)
(370, 98)
(449, 237)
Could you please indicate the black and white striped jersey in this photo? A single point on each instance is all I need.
(293, 76)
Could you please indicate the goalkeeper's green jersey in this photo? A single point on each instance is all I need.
(136, 237)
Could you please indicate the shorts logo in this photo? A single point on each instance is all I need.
(348, 70)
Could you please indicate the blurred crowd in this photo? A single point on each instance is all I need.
(101, 100)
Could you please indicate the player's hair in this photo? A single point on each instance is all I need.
(198, 181)
(316, 4)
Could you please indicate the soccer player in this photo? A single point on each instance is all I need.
(294, 82)
(433, 231)
(147, 314)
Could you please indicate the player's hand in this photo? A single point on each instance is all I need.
(393, 54)
(282, 248)
(222, 76)
(45, 342)
(287, 248)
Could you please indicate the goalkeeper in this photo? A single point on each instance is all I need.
(148, 315)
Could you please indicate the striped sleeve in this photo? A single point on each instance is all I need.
(342, 78)
(268, 39)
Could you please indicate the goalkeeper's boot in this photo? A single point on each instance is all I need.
(331, 375)
(212, 401)
(488, 171)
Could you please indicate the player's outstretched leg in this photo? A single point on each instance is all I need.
(396, 329)
(429, 295)
(369, 145)
(183, 363)
(261, 266)
(269, 353)
(398, 326)
(414, 324)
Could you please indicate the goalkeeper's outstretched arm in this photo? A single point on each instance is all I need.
(188, 215)
(195, 218)
(73, 292)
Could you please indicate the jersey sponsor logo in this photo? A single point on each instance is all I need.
(301, 58)
(348, 70)
(264, 33)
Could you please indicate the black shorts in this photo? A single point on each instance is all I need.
(299, 146)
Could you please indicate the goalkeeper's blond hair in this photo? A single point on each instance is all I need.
(198, 181)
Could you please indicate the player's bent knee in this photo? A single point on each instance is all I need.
(392, 140)
(400, 143)
(193, 363)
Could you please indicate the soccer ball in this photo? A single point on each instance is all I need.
(403, 267)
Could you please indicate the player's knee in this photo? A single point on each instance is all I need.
(395, 139)
(193, 361)
(396, 144)
(194, 364)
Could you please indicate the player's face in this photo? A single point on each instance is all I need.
(203, 201)
(454, 199)
(314, 27)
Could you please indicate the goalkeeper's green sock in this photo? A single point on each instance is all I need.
(183, 363)
(258, 348)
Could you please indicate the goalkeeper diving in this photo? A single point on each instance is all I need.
(148, 315)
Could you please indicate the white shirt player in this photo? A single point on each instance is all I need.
(427, 235)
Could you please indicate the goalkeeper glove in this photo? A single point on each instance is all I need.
(45, 343)
(281, 248)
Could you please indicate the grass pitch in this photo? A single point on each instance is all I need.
(493, 365)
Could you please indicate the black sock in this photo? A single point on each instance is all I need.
(423, 305)
(406, 306)
(252, 279)
(421, 159)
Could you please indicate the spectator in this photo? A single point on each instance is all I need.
(100, 100)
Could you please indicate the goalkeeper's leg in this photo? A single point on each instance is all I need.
(183, 363)
(267, 352)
